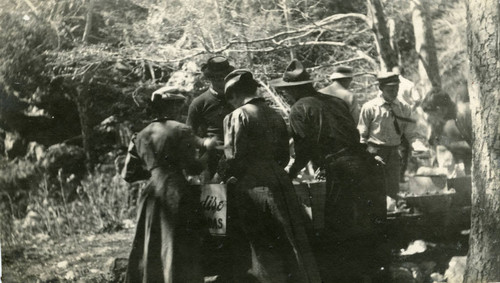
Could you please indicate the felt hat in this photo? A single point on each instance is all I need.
(216, 67)
(388, 78)
(166, 96)
(295, 74)
(239, 78)
(341, 72)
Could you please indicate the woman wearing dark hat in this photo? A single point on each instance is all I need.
(166, 245)
(256, 149)
(208, 110)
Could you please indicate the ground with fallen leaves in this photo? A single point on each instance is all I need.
(80, 258)
(426, 248)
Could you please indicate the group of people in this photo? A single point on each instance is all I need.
(245, 143)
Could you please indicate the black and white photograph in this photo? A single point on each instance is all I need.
(250, 141)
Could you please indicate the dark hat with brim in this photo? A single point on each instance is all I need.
(341, 72)
(239, 78)
(295, 74)
(216, 67)
(388, 78)
(167, 96)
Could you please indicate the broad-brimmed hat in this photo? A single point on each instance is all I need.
(166, 96)
(216, 67)
(240, 78)
(388, 78)
(295, 74)
(341, 72)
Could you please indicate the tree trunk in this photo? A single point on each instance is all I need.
(83, 104)
(428, 67)
(88, 23)
(388, 57)
(219, 23)
(246, 7)
(286, 13)
(483, 40)
(393, 39)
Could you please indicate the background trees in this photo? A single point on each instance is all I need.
(71, 68)
(122, 49)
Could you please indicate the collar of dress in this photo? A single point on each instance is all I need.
(251, 99)
(216, 94)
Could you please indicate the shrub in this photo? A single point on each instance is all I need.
(104, 201)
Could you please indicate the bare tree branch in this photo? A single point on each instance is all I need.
(88, 24)
(307, 28)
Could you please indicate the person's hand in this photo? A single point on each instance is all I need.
(372, 150)
(419, 146)
(379, 160)
(320, 174)
(211, 143)
(232, 180)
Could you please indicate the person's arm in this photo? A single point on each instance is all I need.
(283, 150)
(193, 118)
(235, 143)
(365, 120)
(187, 151)
(207, 143)
(301, 139)
(355, 109)
(134, 169)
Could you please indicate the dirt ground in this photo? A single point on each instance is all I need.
(80, 258)
(102, 257)
(437, 238)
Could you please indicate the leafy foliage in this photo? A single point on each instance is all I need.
(25, 41)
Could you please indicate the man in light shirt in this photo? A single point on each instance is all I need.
(382, 123)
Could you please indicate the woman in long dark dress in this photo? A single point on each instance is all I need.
(257, 150)
(166, 245)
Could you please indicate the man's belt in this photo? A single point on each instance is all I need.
(332, 156)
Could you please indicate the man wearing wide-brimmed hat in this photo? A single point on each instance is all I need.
(342, 78)
(321, 124)
(325, 133)
(208, 110)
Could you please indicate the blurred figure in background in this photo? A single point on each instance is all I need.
(451, 125)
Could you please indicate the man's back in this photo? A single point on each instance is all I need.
(321, 125)
(339, 91)
(326, 117)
